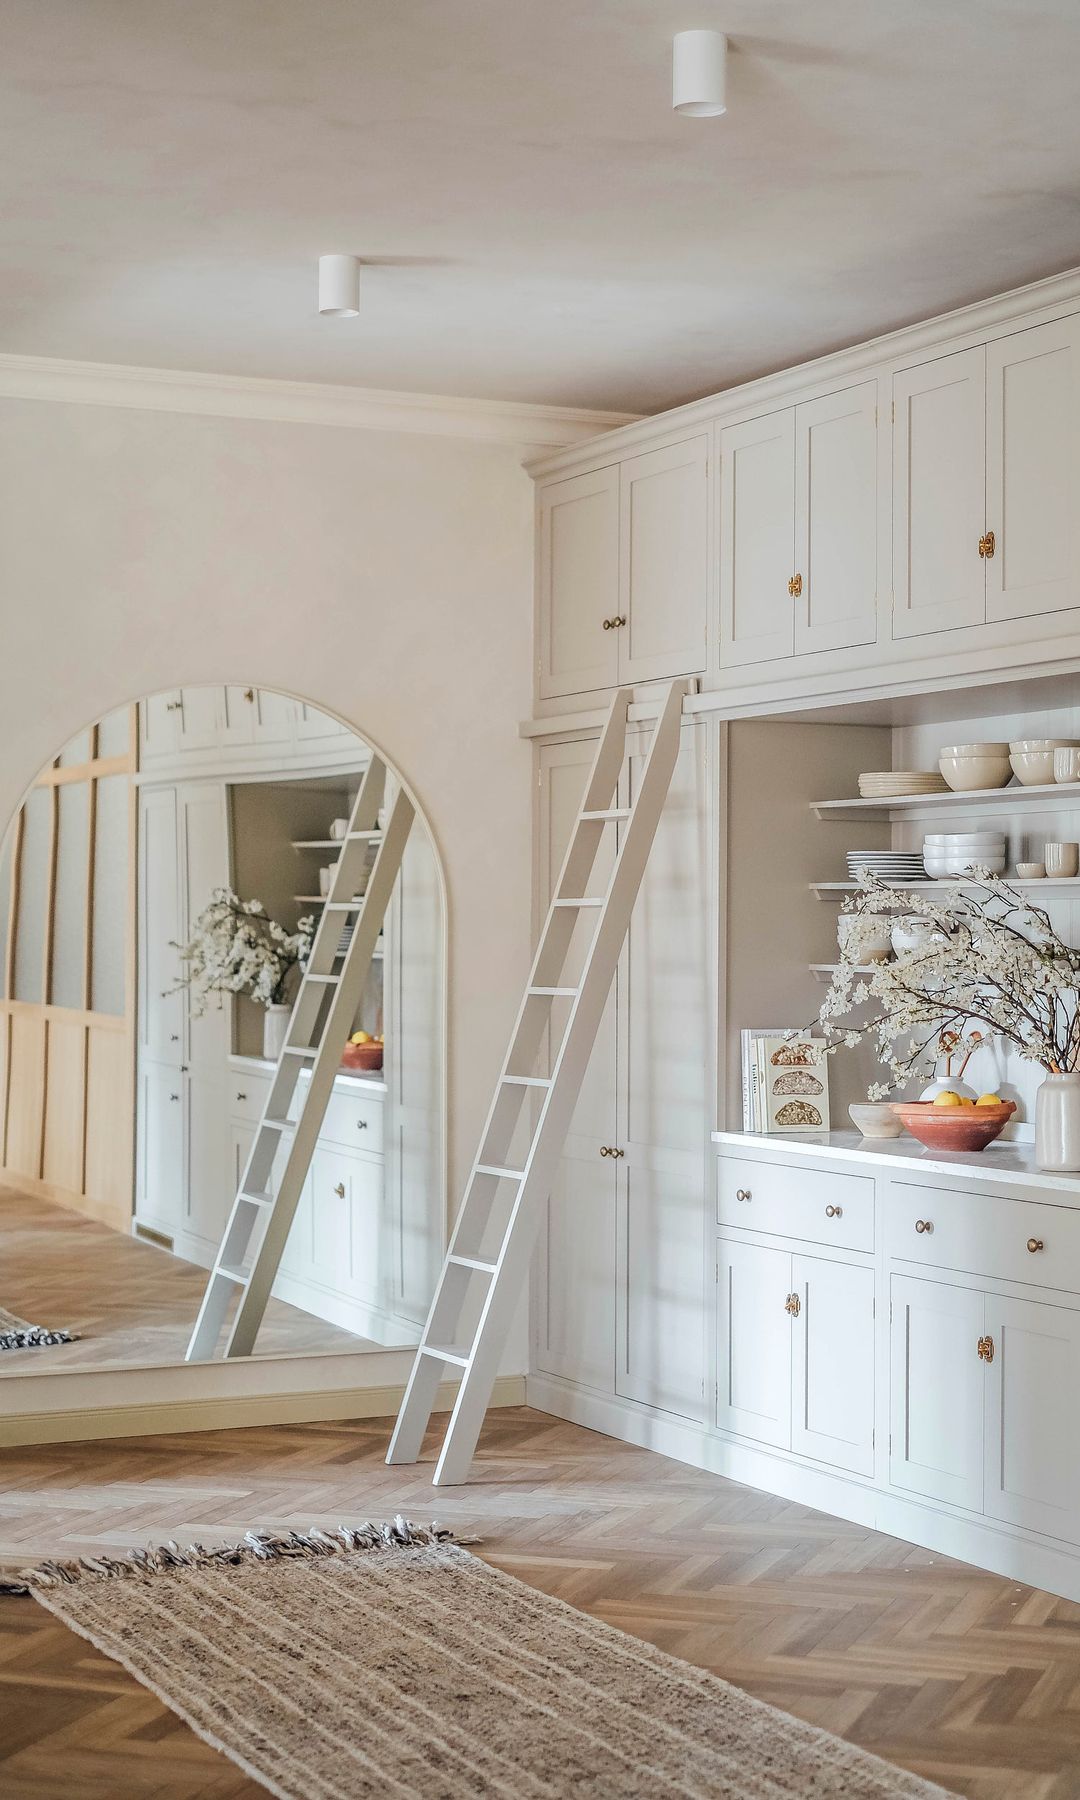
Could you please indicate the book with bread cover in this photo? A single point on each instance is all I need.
(794, 1079)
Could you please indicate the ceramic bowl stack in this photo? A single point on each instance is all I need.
(957, 852)
(1033, 759)
(887, 784)
(887, 865)
(968, 767)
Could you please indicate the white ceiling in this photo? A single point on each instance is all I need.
(541, 226)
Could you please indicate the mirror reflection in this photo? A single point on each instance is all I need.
(221, 1043)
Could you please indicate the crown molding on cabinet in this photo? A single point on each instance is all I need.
(300, 402)
(1035, 304)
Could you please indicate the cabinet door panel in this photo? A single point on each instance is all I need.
(833, 1364)
(161, 1011)
(209, 1194)
(939, 459)
(578, 583)
(159, 722)
(836, 520)
(1032, 1455)
(237, 715)
(757, 539)
(202, 717)
(663, 562)
(753, 1373)
(1033, 470)
(204, 866)
(275, 717)
(936, 1383)
(160, 1173)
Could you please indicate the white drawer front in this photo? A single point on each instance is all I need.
(355, 1124)
(814, 1205)
(985, 1234)
(246, 1096)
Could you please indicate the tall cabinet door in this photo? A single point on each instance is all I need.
(939, 457)
(833, 1364)
(757, 539)
(663, 1087)
(578, 583)
(936, 1385)
(202, 823)
(837, 520)
(161, 1010)
(1032, 1461)
(575, 1290)
(753, 1352)
(663, 562)
(1033, 470)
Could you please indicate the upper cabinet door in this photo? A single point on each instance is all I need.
(159, 726)
(202, 718)
(837, 534)
(578, 584)
(238, 715)
(757, 539)
(1032, 470)
(663, 562)
(939, 459)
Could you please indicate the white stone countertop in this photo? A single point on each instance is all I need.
(1007, 1159)
(346, 1081)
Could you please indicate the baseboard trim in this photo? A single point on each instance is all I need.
(1020, 1558)
(230, 1412)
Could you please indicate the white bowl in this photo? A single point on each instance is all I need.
(959, 840)
(975, 767)
(875, 1119)
(975, 749)
(1032, 871)
(961, 865)
(1032, 759)
(913, 934)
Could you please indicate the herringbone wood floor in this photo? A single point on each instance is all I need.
(958, 1674)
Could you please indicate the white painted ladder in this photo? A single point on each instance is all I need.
(326, 1005)
(492, 1242)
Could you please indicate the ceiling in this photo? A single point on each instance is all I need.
(540, 225)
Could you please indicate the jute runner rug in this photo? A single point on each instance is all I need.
(18, 1334)
(390, 1664)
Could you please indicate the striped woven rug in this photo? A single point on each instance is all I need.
(19, 1334)
(388, 1663)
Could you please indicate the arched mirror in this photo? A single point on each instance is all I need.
(169, 882)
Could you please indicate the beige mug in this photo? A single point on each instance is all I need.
(1062, 861)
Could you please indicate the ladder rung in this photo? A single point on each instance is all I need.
(238, 1277)
(610, 812)
(299, 1050)
(324, 980)
(345, 905)
(524, 1081)
(577, 903)
(280, 1123)
(473, 1262)
(497, 1169)
(254, 1197)
(549, 991)
(370, 835)
(444, 1354)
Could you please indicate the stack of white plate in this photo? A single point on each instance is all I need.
(888, 865)
(955, 852)
(884, 784)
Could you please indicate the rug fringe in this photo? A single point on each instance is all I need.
(33, 1337)
(255, 1546)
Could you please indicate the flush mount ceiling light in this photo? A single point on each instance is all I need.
(339, 286)
(699, 74)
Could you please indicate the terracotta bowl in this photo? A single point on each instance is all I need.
(954, 1127)
(367, 1057)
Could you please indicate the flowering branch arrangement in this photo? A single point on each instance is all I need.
(985, 964)
(235, 948)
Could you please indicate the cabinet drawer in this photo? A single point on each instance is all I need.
(814, 1205)
(355, 1124)
(246, 1095)
(985, 1234)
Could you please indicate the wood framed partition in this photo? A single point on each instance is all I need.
(67, 1004)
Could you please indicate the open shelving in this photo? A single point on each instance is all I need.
(1063, 792)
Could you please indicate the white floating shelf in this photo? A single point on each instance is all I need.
(1066, 792)
(826, 971)
(826, 889)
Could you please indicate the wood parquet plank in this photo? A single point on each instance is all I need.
(965, 1677)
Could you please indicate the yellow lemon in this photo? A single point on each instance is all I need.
(360, 1037)
(948, 1098)
(988, 1100)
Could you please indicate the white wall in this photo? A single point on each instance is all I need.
(386, 577)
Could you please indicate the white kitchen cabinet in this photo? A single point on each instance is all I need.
(203, 865)
(201, 717)
(832, 1345)
(936, 1388)
(159, 727)
(753, 1342)
(237, 725)
(1032, 1462)
(1032, 470)
(757, 539)
(663, 562)
(161, 1008)
(208, 1190)
(578, 589)
(939, 438)
(277, 718)
(160, 1162)
(838, 549)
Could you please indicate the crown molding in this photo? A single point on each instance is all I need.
(300, 402)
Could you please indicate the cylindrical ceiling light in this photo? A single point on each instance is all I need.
(699, 74)
(339, 286)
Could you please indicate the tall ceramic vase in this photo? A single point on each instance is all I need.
(275, 1025)
(1057, 1124)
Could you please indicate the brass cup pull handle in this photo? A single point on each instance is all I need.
(793, 1305)
(987, 545)
(743, 1194)
(794, 586)
(340, 1190)
(922, 1225)
(1035, 1244)
(985, 1348)
(834, 1212)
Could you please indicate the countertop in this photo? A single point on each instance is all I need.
(345, 1082)
(1007, 1159)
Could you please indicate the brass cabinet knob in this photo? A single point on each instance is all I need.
(793, 1305)
(794, 586)
(340, 1190)
(249, 696)
(1035, 1244)
(743, 1194)
(834, 1212)
(985, 1348)
(987, 545)
(922, 1225)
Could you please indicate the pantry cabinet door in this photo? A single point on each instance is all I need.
(578, 583)
(210, 1189)
(663, 562)
(663, 1067)
(1032, 1454)
(753, 1362)
(1033, 470)
(160, 1161)
(837, 529)
(832, 1343)
(161, 1008)
(204, 866)
(757, 539)
(939, 464)
(937, 1391)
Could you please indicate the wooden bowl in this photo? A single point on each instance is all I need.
(954, 1127)
(366, 1057)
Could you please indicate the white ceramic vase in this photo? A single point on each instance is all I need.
(1057, 1124)
(275, 1025)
